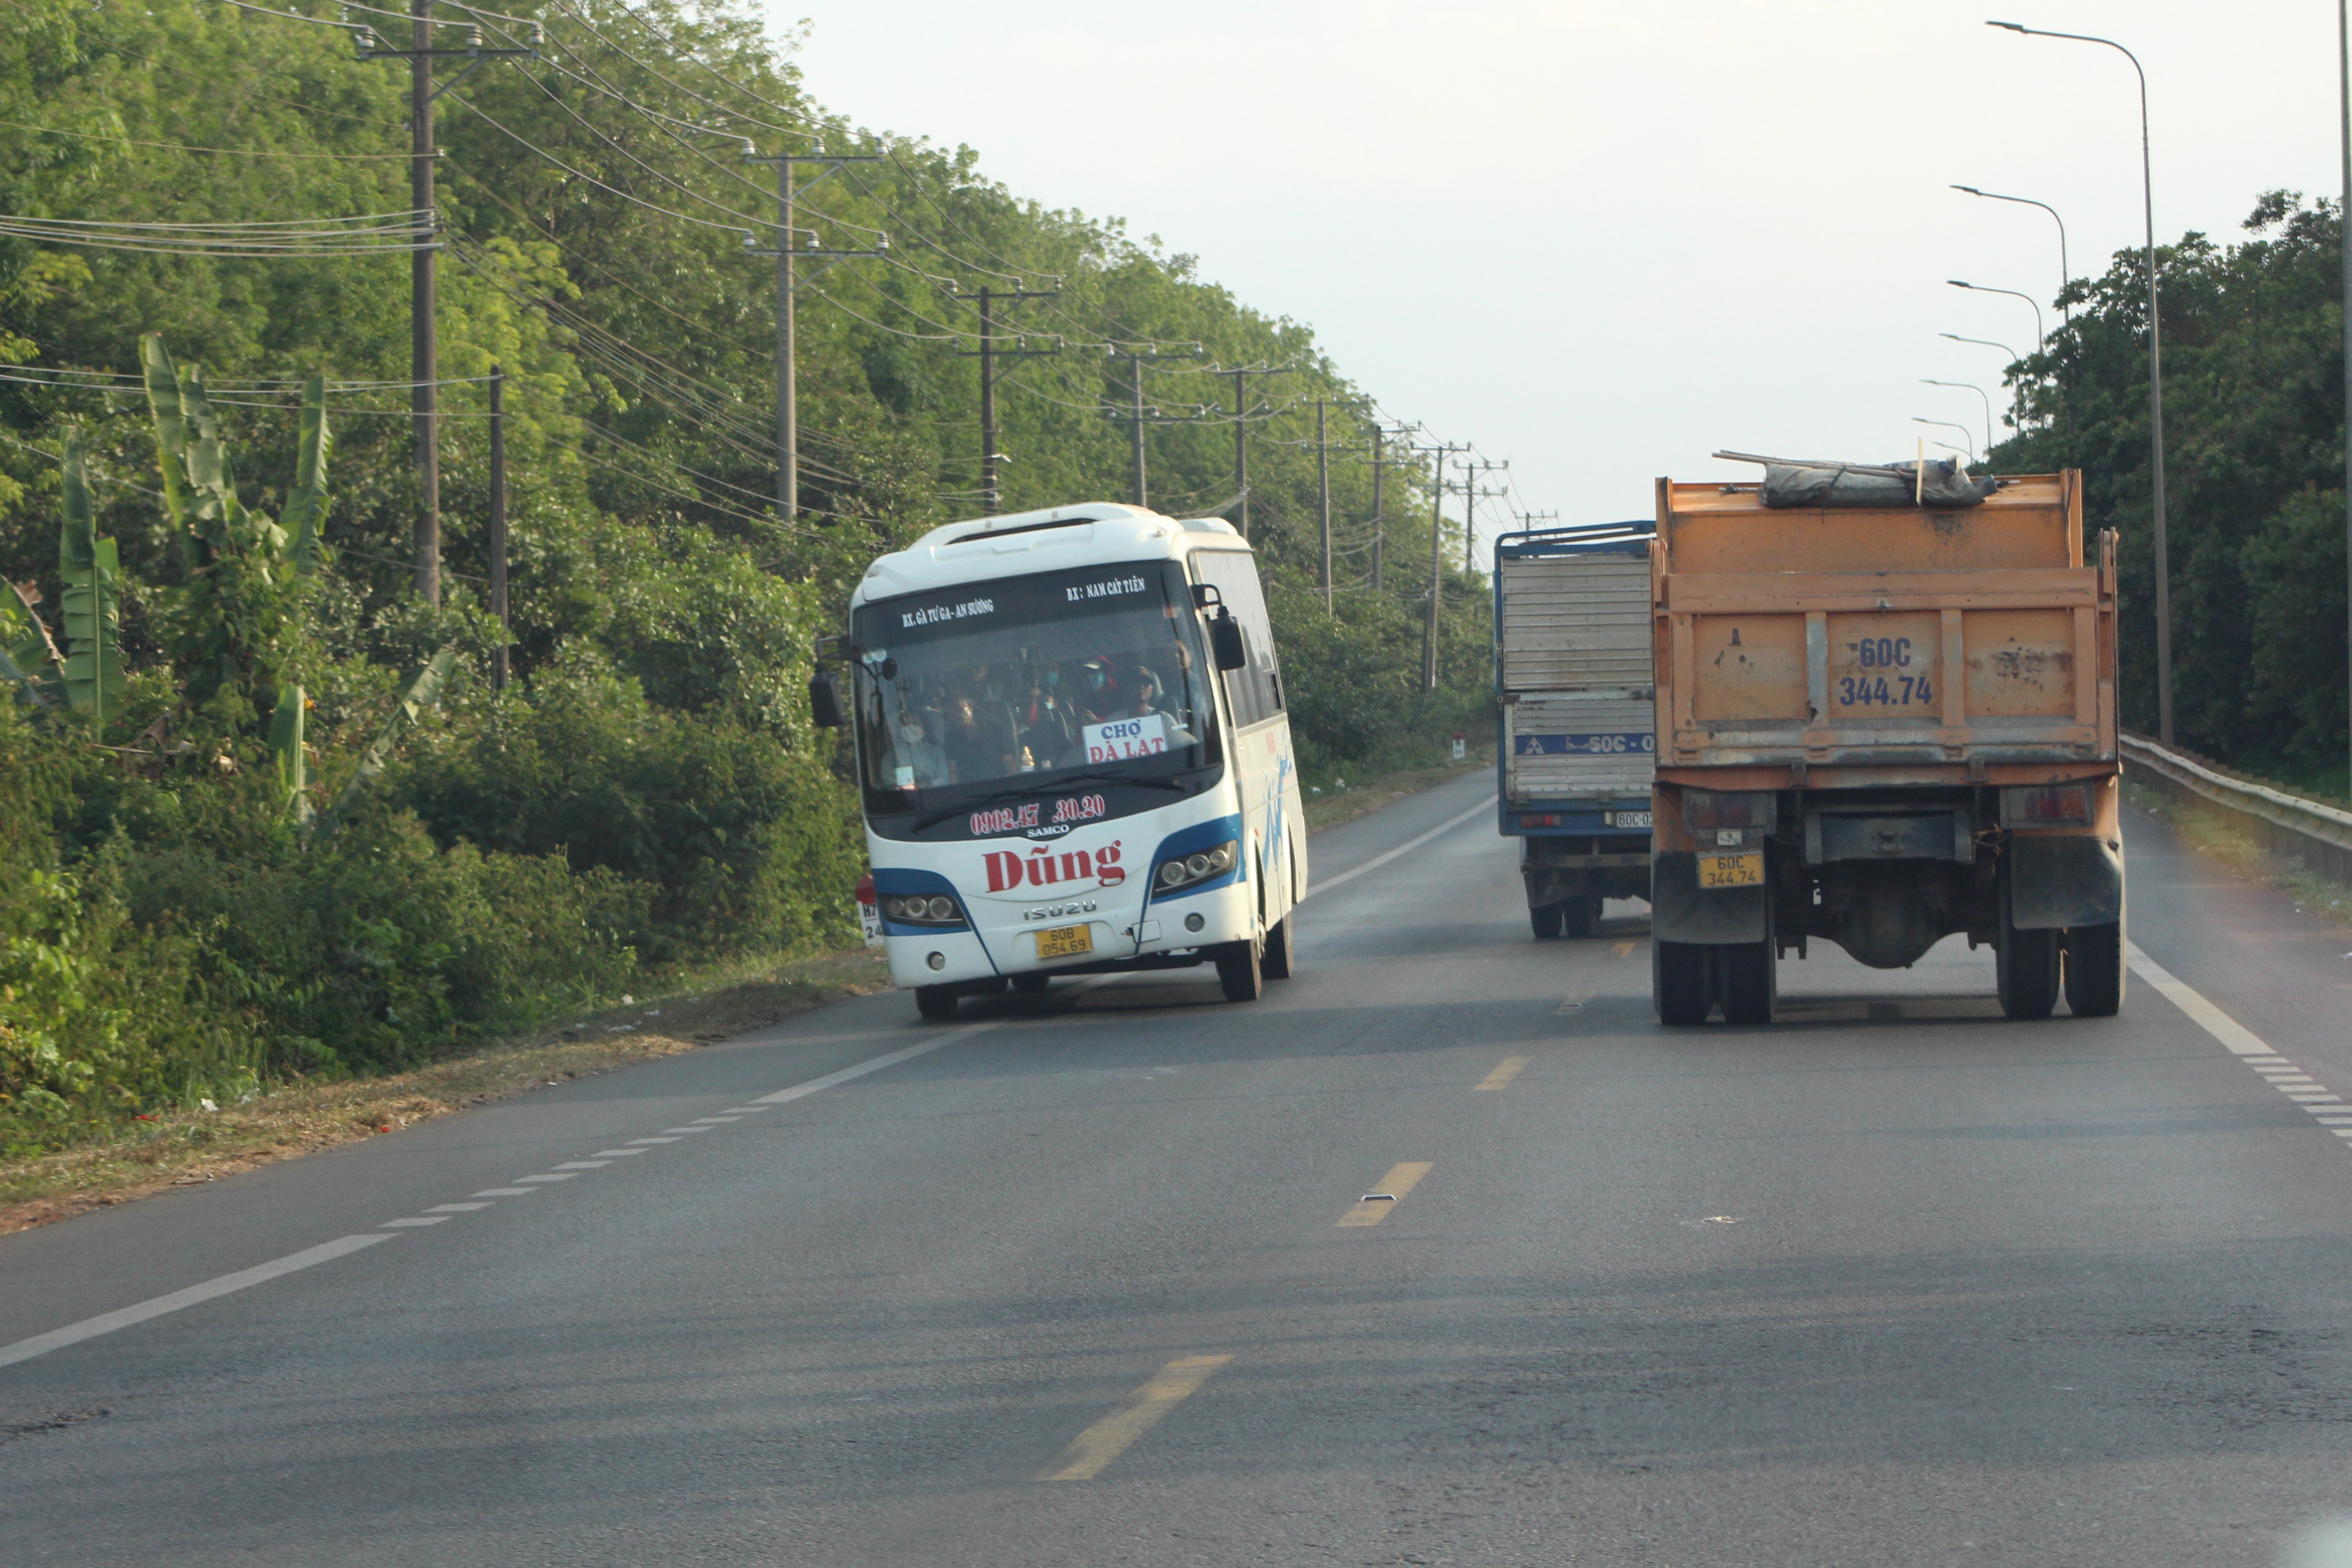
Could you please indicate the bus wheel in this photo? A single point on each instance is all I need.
(1276, 965)
(937, 1001)
(1032, 985)
(1239, 972)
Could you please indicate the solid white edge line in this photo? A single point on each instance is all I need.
(1407, 847)
(106, 1322)
(2234, 1036)
(874, 1064)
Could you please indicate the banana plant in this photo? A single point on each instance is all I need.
(28, 654)
(93, 599)
(421, 692)
(243, 568)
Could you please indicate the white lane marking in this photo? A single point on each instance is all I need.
(505, 1192)
(561, 1176)
(744, 1110)
(653, 1140)
(123, 1318)
(704, 1121)
(2235, 1037)
(413, 1224)
(617, 1153)
(582, 1165)
(456, 1208)
(875, 1064)
(1407, 847)
(684, 1129)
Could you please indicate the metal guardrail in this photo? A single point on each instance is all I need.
(2290, 825)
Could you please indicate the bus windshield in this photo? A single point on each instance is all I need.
(1011, 687)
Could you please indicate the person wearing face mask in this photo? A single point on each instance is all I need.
(1097, 698)
(915, 760)
(1047, 726)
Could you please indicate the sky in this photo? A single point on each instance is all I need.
(1602, 241)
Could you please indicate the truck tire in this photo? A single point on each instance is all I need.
(2095, 969)
(1546, 921)
(1239, 972)
(938, 1002)
(1275, 963)
(2025, 964)
(1578, 917)
(1681, 982)
(1751, 981)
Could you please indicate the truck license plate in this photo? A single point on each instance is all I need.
(1732, 870)
(1629, 819)
(1066, 942)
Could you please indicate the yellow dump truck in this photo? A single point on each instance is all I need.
(1885, 714)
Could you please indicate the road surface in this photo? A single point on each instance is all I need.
(1894, 1282)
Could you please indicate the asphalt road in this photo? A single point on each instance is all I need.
(1894, 1282)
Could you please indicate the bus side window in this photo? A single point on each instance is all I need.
(1256, 689)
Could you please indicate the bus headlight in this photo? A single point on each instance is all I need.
(923, 910)
(1198, 867)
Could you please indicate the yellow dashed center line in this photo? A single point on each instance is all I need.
(1621, 949)
(1505, 1071)
(1400, 1179)
(1139, 1413)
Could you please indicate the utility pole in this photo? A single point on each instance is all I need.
(498, 666)
(1241, 434)
(424, 337)
(1137, 359)
(1470, 494)
(991, 494)
(1380, 509)
(1437, 565)
(788, 434)
(2344, 217)
(1323, 487)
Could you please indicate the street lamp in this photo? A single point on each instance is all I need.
(2065, 274)
(1987, 288)
(2155, 383)
(1967, 451)
(1984, 343)
(1980, 392)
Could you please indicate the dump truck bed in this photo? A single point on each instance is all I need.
(1863, 646)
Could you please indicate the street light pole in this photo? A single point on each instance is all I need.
(1981, 394)
(1984, 343)
(1967, 440)
(2155, 381)
(1984, 288)
(2065, 274)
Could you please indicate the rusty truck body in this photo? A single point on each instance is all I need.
(1879, 727)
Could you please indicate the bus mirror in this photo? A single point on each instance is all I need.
(824, 700)
(1225, 641)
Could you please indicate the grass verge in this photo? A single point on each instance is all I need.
(185, 1149)
(189, 1148)
(1364, 795)
(2212, 831)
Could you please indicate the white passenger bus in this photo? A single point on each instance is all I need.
(1073, 754)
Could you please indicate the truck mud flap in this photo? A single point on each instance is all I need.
(2076, 880)
(1680, 910)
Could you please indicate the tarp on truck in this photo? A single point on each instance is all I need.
(1944, 483)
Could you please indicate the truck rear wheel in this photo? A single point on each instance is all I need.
(1579, 915)
(2025, 964)
(2095, 969)
(1545, 920)
(1681, 982)
(1239, 972)
(938, 1002)
(1751, 982)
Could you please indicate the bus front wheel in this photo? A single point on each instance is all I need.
(937, 1001)
(1239, 972)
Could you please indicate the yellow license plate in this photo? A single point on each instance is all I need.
(1731, 871)
(1066, 942)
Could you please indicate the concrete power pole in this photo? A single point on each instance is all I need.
(991, 494)
(1471, 473)
(788, 435)
(1323, 487)
(1436, 565)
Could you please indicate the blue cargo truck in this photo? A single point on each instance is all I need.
(1578, 739)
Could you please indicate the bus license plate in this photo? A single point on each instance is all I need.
(1732, 870)
(1066, 942)
(1629, 819)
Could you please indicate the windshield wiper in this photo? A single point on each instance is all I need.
(999, 797)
